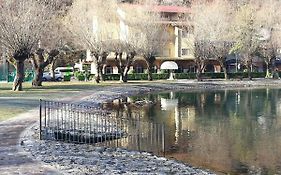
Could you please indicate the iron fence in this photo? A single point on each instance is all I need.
(87, 125)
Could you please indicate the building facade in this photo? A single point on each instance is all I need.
(179, 47)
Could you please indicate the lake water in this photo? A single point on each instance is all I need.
(230, 131)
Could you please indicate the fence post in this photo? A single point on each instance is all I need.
(40, 122)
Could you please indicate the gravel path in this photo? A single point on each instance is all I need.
(40, 157)
(12, 160)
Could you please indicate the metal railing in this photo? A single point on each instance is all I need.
(87, 125)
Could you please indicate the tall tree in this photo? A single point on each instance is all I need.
(22, 25)
(53, 42)
(95, 16)
(269, 20)
(48, 49)
(124, 57)
(212, 22)
(202, 53)
(151, 35)
(200, 42)
(245, 34)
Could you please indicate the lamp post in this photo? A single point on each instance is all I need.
(236, 65)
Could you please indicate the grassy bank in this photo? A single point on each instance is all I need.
(13, 103)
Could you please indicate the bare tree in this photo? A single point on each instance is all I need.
(200, 42)
(22, 24)
(52, 45)
(269, 51)
(124, 57)
(269, 19)
(220, 51)
(246, 37)
(212, 22)
(48, 49)
(89, 23)
(150, 35)
(202, 54)
(126, 44)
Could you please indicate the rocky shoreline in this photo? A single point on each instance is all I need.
(86, 159)
(76, 159)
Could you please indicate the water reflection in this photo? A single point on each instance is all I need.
(230, 131)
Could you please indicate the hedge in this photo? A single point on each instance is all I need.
(163, 76)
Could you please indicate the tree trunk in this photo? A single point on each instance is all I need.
(150, 63)
(125, 74)
(225, 73)
(52, 67)
(198, 75)
(249, 72)
(267, 70)
(102, 72)
(149, 74)
(17, 86)
(39, 64)
(97, 75)
(199, 70)
(37, 81)
(122, 78)
(125, 78)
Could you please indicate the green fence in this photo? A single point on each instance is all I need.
(3, 72)
(28, 76)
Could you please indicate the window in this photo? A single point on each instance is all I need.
(184, 33)
(185, 52)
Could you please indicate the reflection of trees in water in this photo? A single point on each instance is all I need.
(230, 130)
(231, 133)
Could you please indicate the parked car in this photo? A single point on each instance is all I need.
(65, 70)
(48, 77)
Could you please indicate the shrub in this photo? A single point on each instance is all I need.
(79, 76)
(158, 76)
(131, 71)
(66, 77)
(140, 76)
(112, 77)
(185, 75)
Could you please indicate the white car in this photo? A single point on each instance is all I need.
(47, 76)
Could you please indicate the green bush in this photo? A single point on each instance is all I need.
(28, 76)
(131, 71)
(185, 75)
(112, 77)
(209, 75)
(139, 76)
(239, 75)
(79, 76)
(213, 75)
(258, 74)
(66, 77)
(162, 76)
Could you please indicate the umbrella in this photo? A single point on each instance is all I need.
(169, 65)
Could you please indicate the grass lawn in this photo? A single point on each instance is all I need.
(13, 103)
